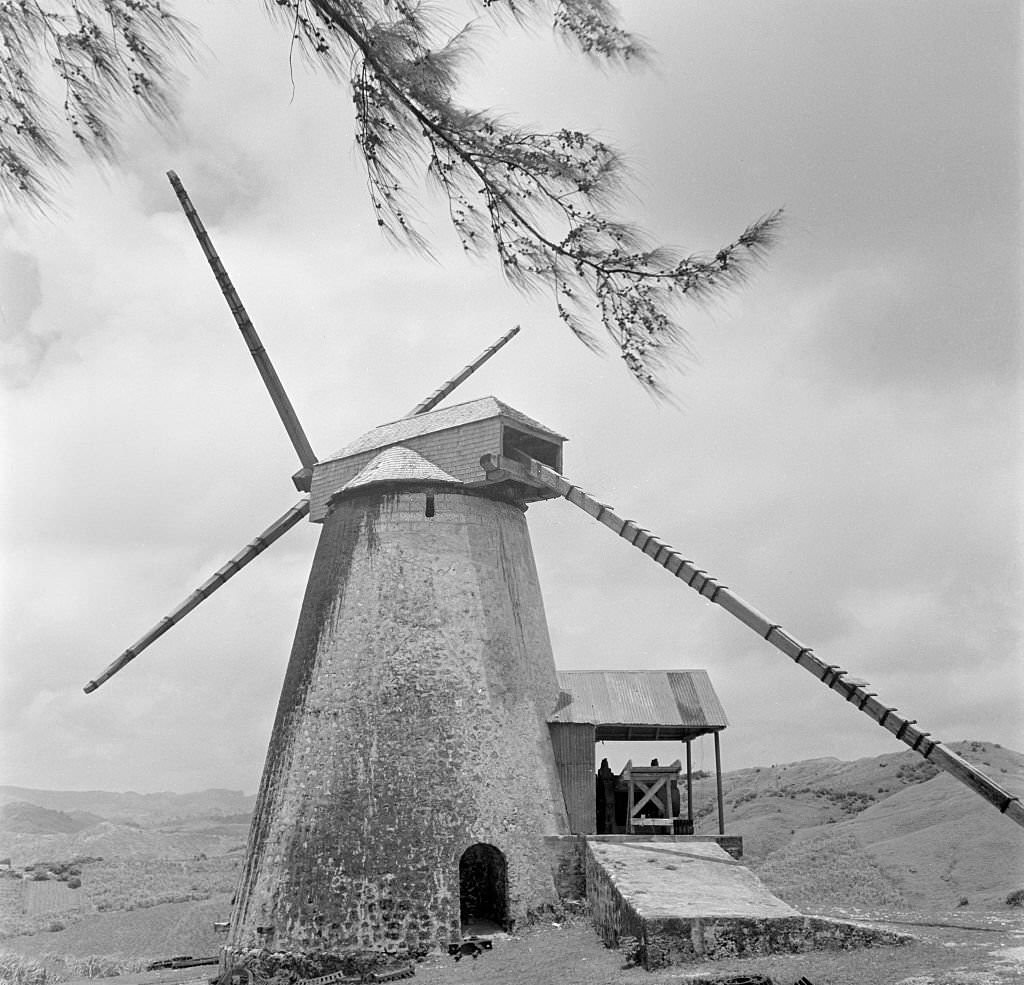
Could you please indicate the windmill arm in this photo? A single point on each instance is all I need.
(527, 469)
(280, 526)
(439, 394)
(266, 369)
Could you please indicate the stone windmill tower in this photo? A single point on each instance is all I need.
(411, 737)
(411, 771)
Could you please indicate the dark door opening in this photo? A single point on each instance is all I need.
(483, 889)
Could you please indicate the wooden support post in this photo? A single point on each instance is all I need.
(689, 783)
(718, 777)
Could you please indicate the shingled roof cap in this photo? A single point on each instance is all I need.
(398, 464)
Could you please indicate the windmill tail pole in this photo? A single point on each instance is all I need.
(832, 676)
(438, 395)
(270, 378)
(280, 526)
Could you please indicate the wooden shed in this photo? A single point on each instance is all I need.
(624, 706)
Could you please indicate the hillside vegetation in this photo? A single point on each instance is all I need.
(159, 871)
(915, 835)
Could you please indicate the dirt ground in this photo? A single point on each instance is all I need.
(979, 949)
(949, 948)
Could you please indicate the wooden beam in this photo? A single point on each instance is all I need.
(275, 388)
(718, 779)
(280, 526)
(429, 403)
(689, 781)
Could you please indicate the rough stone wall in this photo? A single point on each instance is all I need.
(567, 858)
(412, 724)
(613, 917)
(677, 941)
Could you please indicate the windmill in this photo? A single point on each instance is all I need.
(411, 739)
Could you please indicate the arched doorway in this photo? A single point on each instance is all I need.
(483, 889)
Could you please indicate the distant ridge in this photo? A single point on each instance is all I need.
(131, 806)
(20, 817)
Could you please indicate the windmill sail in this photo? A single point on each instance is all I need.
(439, 394)
(273, 383)
(280, 526)
(830, 675)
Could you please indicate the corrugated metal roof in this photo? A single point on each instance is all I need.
(399, 464)
(439, 420)
(673, 700)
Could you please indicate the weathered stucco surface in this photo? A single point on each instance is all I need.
(412, 724)
(671, 902)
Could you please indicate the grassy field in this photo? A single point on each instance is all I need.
(49, 917)
(573, 955)
(129, 884)
(52, 897)
(829, 871)
(984, 949)
(145, 934)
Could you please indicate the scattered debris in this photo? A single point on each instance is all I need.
(340, 977)
(343, 978)
(731, 979)
(182, 961)
(393, 974)
(471, 946)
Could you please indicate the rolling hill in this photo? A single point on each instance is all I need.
(915, 835)
(19, 817)
(62, 824)
(141, 808)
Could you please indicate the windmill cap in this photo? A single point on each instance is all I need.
(441, 419)
(397, 464)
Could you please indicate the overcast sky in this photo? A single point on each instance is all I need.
(845, 454)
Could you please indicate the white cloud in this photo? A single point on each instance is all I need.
(844, 454)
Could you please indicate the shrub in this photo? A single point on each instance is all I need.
(74, 883)
(53, 926)
(21, 971)
(103, 966)
(1016, 898)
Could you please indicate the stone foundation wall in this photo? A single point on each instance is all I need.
(657, 942)
(567, 858)
(613, 917)
(675, 941)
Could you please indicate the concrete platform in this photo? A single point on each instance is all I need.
(672, 902)
(686, 879)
